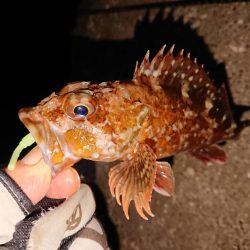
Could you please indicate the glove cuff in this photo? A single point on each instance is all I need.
(15, 205)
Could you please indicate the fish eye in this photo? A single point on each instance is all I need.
(81, 111)
(79, 106)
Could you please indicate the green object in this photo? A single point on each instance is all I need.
(26, 141)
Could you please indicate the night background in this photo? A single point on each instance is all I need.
(45, 46)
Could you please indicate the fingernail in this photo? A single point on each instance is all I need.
(33, 157)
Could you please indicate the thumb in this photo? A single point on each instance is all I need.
(32, 175)
(64, 184)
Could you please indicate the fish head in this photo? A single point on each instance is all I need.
(84, 121)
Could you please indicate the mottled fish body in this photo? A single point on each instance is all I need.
(170, 105)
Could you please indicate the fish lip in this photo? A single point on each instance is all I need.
(40, 130)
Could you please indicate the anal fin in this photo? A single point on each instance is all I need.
(164, 181)
(210, 154)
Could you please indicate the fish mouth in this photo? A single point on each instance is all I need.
(46, 139)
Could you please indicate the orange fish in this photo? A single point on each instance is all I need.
(169, 106)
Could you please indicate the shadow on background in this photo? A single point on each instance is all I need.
(41, 56)
(99, 60)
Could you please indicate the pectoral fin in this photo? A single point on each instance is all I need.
(133, 179)
(210, 154)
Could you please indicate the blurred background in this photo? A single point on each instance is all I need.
(45, 46)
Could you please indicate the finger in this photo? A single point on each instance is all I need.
(32, 175)
(64, 184)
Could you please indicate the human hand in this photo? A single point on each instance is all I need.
(29, 220)
(34, 177)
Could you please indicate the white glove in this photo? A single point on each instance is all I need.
(50, 224)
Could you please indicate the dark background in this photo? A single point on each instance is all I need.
(36, 60)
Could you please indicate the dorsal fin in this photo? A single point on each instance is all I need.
(186, 82)
(169, 70)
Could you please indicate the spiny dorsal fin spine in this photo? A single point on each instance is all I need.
(157, 64)
(146, 58)
(169, 69)
(172, 49)
(157, 59)
(136, 68)
(145, 63)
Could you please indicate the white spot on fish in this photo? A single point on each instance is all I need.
(183, 75)
(147, 72)
(86, 147)
(158, 130)
(95, 155)
(196, 71)
(186, 144)
(156, 73)
(148, 129)
(129, 157)
(173, 62)
(168, 138)
(214, 124)
(190, 78)
(188, 113)
(103, 84)
(156, 114)
(174, 127)
(197, 126)
(180, 125)
(106, 90)
(208, 104)
(184, 90)
(56, 150)
(125, 94)
(85, 84)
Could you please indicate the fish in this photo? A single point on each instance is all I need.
(169, 106)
